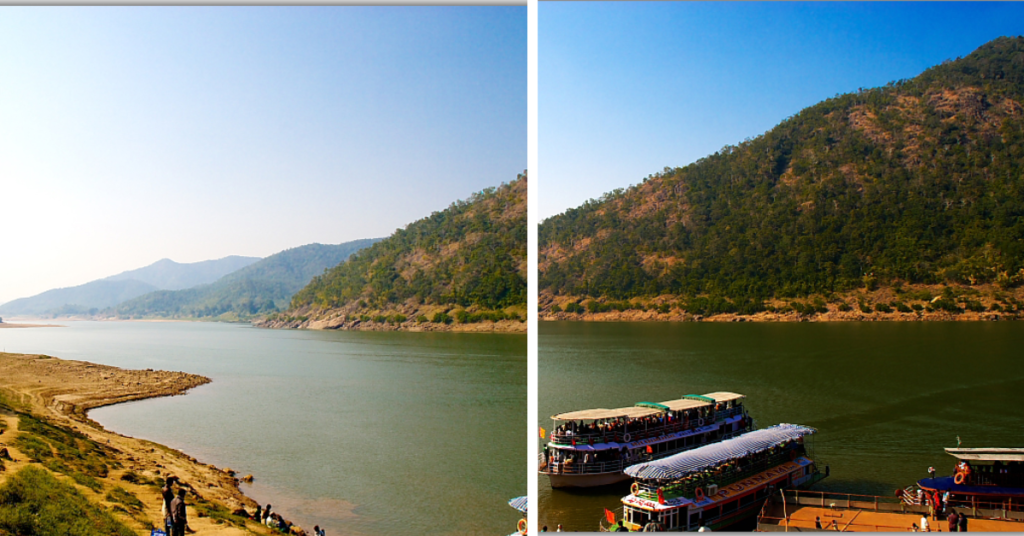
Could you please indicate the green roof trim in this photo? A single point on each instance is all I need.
(702, 398)
(653, 405)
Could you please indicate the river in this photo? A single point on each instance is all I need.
(885, 397)
(360, 432)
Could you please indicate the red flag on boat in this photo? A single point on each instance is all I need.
(610, 515)
(649, 450)
(661, 497)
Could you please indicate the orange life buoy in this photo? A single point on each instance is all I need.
(700, 494)
(635, 488)
(521, 526)
(959, 478)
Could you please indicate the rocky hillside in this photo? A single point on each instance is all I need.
(915, 184)
(460, 268)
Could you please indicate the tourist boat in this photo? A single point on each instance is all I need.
(519, 503)
(983, 478)
(716, 486)
(592, 447)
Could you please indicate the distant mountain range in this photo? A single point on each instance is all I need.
(95, 295)
(166, 274)
(261, 287)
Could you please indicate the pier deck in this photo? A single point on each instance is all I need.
(869, 514)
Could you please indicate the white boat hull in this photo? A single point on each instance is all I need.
(591, 480)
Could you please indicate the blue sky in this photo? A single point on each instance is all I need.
(133, 134)
(627, 88)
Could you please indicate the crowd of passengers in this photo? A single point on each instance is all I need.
(568, 459)
(622, 426)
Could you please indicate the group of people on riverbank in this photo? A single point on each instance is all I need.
(176, 520)
(277, 521)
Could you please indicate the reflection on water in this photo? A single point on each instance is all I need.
(359, 432)
(885, 397)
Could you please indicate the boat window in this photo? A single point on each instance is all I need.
(729, 507)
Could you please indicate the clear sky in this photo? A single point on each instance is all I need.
(627, 88)
(133, 134)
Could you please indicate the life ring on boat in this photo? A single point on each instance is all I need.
(699, 493)
(626, 437)
(521, 526)
(959, 478)
(635, 488)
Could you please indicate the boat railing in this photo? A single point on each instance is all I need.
(728, 413)
(566, 438)
(610, 466)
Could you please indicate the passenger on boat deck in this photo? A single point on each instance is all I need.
(817, 522)
(962, 523)
(913, 528)
(924, 524)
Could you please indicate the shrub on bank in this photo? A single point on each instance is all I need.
(34, 503)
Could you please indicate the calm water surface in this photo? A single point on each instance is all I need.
(359, 432)
(885, 397)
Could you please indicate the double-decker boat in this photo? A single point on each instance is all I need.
(592, 447)
(983, 478)
(519, 503)
(715, 486)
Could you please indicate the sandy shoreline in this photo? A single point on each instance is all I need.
(62, 391)
(913, 303)
(9, 325)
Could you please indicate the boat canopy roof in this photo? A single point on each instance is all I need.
(640, 411)
(519, 503)
(708, 456)
(988, 455)
(685, 403)
(723, 396)
(643, 409)
(588, 414)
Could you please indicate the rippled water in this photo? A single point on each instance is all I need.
(886, 397)
(359, 432)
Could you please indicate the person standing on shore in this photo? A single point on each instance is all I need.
(953, 519)
(168, 495)
(178, 513)
(266, 515)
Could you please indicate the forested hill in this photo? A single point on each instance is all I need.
(462, 265)
(263, 287)
(917, 182)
